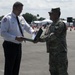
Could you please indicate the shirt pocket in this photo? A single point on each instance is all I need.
(13, 26)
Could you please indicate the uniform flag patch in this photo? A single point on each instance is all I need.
(5, 19)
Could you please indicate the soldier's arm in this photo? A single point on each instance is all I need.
(43, 38)
(58, 30)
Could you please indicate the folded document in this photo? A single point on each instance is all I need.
(37, 36)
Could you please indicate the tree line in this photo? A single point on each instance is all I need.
(29, 17)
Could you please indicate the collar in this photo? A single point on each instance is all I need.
(55, 23)
(13, 15)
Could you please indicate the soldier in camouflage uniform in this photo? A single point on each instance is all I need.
(55, 37)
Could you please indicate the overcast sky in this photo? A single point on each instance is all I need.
(41, 7)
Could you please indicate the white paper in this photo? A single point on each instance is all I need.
(33, 36)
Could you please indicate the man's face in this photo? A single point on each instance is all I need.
(18, 10)
(53, 16)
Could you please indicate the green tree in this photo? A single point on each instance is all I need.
(29, 17)
(37, 15)
(41, 18)
(1, 17)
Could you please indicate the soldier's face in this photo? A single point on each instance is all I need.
(53, 16)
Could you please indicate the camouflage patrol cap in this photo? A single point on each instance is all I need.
(55, 10)
(16, 4)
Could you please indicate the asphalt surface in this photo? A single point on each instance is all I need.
(35, 59)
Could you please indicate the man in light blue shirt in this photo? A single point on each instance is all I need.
(13, 37)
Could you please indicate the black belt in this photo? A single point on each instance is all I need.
(12, 42)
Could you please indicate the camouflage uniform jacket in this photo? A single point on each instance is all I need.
(55, 37)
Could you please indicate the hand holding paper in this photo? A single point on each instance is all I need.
(35, 37)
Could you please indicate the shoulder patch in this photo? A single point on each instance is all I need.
(5, 19)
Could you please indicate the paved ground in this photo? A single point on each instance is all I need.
(35, 58)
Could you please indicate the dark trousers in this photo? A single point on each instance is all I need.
(12, 53)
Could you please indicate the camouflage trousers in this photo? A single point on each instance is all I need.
(58, 63)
